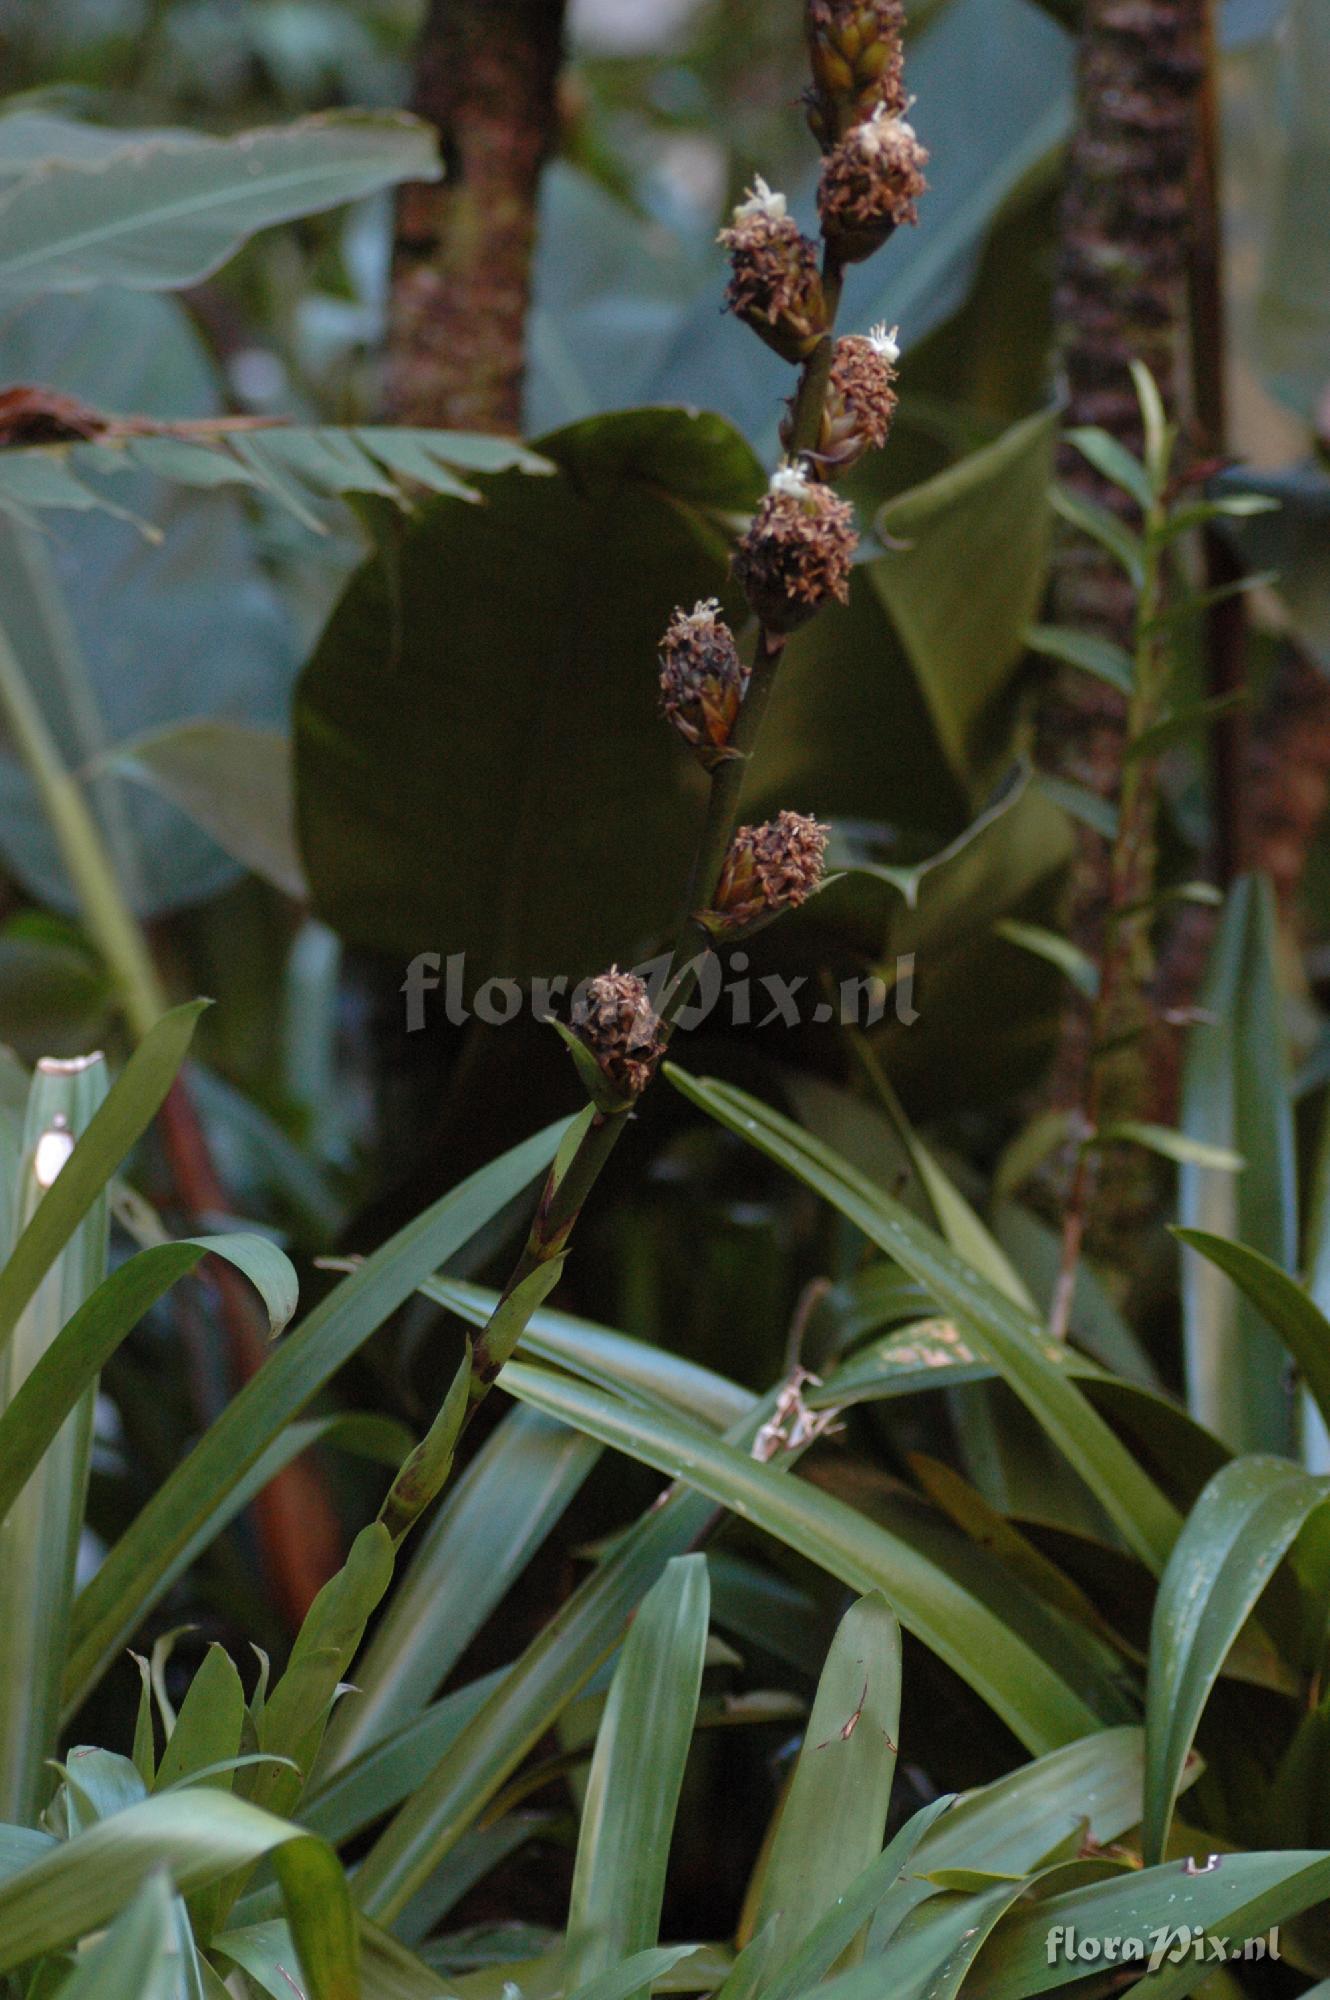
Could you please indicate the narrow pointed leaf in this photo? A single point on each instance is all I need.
(489, 1526)
(131, 1105)
(835, 1812)
(80, 1885)
(134, 1961)
(1016, 1344)
(636, 1775)
(1235, 1095)
(1009, 1676)
(198, 1491)
(1242, 1524)
(88, 1340)
(1282, 1303)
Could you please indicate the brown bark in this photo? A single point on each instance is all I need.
(1121, 296)
(486, 77)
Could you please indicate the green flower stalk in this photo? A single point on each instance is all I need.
(795, 558)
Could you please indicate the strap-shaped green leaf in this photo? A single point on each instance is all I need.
(87, 1341)
(1282, 1304)
(198, 1835)
(636, 1774)
(489, 1525)
(1246, 1518)
(130, 1107)
(1007, 1673)
(195, 1499)
(1017, 1345)
(134, 1960)
(835, 1812)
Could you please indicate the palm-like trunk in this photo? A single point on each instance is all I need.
(486, 76)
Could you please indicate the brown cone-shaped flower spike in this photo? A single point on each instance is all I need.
(768, 869)
(860, 400)
(614, 1018)
(702, 681)
(870, 184)
(775, 282)
(854, 50)
(797, 552)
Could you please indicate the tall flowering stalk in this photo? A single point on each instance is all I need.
(794, 558)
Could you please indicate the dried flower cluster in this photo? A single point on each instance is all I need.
(854, 50)
(797, 553)
(768, 869)
(615, 1020)
(860, 400)
(870, 184)
(702, 680)
(775, 283)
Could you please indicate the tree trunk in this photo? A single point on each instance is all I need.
(486, 77)
(1121, 296)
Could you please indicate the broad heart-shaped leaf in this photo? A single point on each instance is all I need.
(1013, 1340)
(636, 1774)
(159, 213)
(1236, 1094)
(487, 679)
(1242, 1524)
(968, 580)
(833, 1816)
(198, 1835)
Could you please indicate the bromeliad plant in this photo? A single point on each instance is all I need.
(284, 1833)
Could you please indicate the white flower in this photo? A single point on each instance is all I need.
(789, 479)
(883, 129)
(886, 344)
(762, 201)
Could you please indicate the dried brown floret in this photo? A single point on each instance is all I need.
(860, 400)
(768, 869)
(702, 680)
(870, 184)
(797, 552)
(854, 51)
(613, 1017)
(775, 282)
